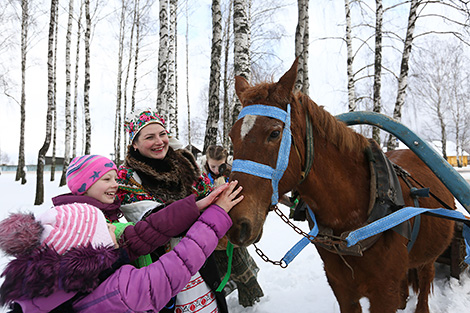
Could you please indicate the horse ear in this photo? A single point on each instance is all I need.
(287, 81)
(241, 84)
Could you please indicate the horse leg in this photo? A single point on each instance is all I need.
(425, 279)
(348, 299)
(404, 294)
(386, 296)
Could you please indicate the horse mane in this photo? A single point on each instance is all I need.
(328, 127)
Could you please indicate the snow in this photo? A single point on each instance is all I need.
(301, 287)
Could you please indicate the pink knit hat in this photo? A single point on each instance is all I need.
(74, 225)
(62, 228)
(85, 170)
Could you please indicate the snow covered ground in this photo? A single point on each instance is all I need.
(301, 287)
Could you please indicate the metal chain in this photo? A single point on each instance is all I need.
(329, 240)
(325, 239)
(265, 258)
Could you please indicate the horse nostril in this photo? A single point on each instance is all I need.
(245, 231)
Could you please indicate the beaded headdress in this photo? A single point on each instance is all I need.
(137, 120)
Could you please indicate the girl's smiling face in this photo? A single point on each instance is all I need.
(104, 189)
(152, 141)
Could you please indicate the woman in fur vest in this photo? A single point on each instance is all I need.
(155, 174)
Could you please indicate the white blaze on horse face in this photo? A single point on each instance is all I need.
(248, 123)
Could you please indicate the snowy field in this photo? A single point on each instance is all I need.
(301, 287)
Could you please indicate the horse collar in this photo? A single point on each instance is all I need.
(263, 170)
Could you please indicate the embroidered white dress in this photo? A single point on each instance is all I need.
(196, 296)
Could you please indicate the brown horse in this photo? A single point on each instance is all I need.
(337, 189)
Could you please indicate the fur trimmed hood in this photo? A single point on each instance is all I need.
(169, 179)
(44, 271)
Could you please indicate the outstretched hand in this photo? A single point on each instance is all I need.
(230, 196)
(224, 196)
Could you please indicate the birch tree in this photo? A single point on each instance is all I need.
(431, 87)
(379, 11)
(188, 103)
(87, 83)
(162, 104)
(301, 46)
(54, 105)
(226, 101)
(349, 59)
(171, 99)
(212, 122)
(403, 78)
(20, 170)
(50, 99)
(241, 46)
(68, 94)
(119, 89)
(76, 77)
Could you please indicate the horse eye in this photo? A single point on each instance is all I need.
(275, 134)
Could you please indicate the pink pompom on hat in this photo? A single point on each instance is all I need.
(61, 228)
(85, 170)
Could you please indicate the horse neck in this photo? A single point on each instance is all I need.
(338, 187)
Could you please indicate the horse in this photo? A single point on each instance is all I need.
(337, 188)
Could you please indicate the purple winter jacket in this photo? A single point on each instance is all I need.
(128, 289)
(156, 230)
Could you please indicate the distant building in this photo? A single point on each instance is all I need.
(194, 150)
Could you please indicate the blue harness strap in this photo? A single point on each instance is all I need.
(302, 243)
(405, 214)
(262, 170)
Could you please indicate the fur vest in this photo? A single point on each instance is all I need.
(172, 178)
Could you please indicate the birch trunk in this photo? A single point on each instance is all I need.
(136, 58)
(403, 79)
(68, 95)
(241, 53)
(54, 108)
(20, 170)
(75, 89)
(227, 118)
(214, 80)
(86, 88)
(301, 46)
(162, 105)
(171, 90)
(350, 59)
(50, 99)
(117, 117)
(187, 73)
(378, 66)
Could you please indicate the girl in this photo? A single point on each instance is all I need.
(68, 260)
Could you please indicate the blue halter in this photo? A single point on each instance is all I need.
(262, 170)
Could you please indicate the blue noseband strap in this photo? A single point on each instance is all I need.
(262, 170)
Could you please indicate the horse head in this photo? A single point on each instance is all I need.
(257, 139)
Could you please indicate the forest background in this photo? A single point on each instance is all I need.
(70, 71)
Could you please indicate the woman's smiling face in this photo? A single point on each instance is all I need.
(152, 141)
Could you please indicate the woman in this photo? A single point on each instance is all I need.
(244, 269)
(154, 174)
